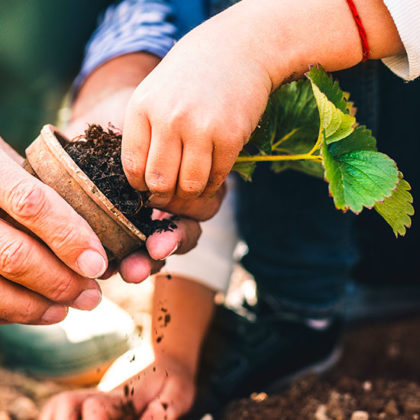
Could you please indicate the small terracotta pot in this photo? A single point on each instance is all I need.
(47, 160)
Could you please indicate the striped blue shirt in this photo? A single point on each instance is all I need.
(150, 26)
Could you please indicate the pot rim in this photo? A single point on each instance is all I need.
(52, 141)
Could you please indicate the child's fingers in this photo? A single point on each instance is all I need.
(202, 208)
(135, 147)
(173, 401)
(65, 406)
(224, 157)
(162, 167)
(195, 169)
(105, 407)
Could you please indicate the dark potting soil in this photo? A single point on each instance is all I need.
(98, 154)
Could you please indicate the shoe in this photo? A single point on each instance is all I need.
(261, 351)
(76, 351)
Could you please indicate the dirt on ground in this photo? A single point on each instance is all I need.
(378, 377)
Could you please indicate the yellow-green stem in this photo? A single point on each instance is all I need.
(284, 138)
(318, 140)
(274, 158)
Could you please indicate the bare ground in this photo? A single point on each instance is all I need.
(377, 378)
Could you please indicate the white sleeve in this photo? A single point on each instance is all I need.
(211, 261)
(406, 15)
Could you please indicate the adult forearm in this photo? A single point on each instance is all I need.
(121, 73)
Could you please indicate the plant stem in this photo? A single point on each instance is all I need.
(284, 138)
(273, 158)
(318, 140)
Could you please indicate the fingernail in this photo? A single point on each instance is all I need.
(171, 253)
(88, 299)
(53, 314)
(91, 264)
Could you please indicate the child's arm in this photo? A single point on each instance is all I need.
(188, 120)
(182, 307)
(165, 389)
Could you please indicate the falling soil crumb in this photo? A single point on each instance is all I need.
(165, 406)
(159, 339)
(133, 358)
(126, 390)
(154, 368)
(98, 154)
(168, 276)
(167, 319)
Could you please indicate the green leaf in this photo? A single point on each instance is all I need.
(360, 139)
(358, 175)
(290, 122)
(397, 209)
(330, 87)
(289, 126)
(265, 133)
(335, 112)
(244, 169)
(308, 167)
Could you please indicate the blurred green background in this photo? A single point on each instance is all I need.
(41, 48)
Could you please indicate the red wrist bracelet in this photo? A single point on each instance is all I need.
(361, 29)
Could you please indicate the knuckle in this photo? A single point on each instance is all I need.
(130, 165)
(67, 240)
(159, 183)
(30, 312)
(13, 255)
(63, 290)
(27, 200)
(237, 142)
(177, 118)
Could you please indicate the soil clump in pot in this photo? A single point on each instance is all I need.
(98, 154)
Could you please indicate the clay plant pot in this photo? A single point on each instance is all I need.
(47, 160)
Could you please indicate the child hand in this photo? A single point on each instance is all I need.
(162, 390)
(188, 120)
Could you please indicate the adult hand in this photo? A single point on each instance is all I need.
(49, 255)
(139, 265)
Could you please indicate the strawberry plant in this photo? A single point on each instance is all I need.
(310, 126)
